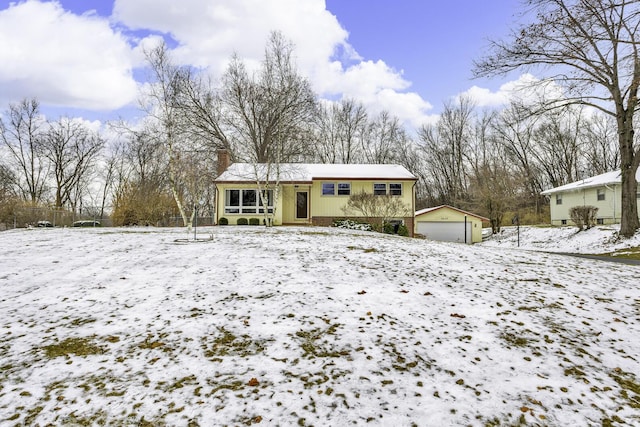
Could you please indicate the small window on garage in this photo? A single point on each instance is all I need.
(600, 221)
(600, 194)
(558, 199)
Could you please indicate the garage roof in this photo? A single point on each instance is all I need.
(427, 210)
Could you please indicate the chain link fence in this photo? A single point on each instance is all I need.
(24, 217)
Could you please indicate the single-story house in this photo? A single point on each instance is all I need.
(308, 194)
(602, 191)
(448, 224)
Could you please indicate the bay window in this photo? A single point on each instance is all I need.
(247, 201)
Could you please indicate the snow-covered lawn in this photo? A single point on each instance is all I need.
(597, 240)
(310, 326)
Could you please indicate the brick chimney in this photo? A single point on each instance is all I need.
(224, 160)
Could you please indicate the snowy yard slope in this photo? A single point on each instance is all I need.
(597, 240)
(309, 326)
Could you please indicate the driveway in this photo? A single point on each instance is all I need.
(603, 258)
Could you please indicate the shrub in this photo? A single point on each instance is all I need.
(254, 221)
(242, 221)
(223, 221)
(583, 216)
(351, 225)
(388, 228)
(403, 231)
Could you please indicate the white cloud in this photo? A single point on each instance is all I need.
(207, 33)
(62, 59)
(86, 62)
(527, 88)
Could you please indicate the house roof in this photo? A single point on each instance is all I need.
(307, 172)
(609, 178)
(427, 210)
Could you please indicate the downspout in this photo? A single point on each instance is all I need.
(413, 208)
(465, 229)
(614, 202)
(216, 193)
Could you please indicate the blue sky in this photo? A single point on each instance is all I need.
(84, 58)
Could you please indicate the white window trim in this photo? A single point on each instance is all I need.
(387, 188)
(322, 193)
(336, 188)
(258, 208)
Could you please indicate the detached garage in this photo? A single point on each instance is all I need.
(448, 224)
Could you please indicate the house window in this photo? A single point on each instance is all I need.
(558, 199)
(379, 189)
(395, 189)
(563, 222)
(344, 189)
(232, 201)
(249, 201)
(600, 194)
(600, 221)
(328, 189)
(246, 201)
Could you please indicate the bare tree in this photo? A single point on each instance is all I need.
(381, 208)
(601, 149)
(383, 139)
(592, 50)
(514, 129)
(446, 145)
(559, 145)
(270, 112)
(339, 127)
(72, 149)
(22, 135)
(161, 102)
(202, 110)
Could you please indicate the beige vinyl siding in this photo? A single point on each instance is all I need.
(608, 209)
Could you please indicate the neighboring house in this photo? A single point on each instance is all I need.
(602, 191)
(308, 193)
(448, 224)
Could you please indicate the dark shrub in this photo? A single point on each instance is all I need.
(403, 230)
(242, 221)
(223, 221)
(254, 221)
(388, 228)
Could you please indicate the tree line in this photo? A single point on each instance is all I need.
(492, 161)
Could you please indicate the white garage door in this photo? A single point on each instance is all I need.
(445, 231)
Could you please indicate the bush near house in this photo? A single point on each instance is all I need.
(242, 221)
(254, 221)
(583, 216)
(223, 221)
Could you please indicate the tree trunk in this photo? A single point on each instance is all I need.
(629, 222)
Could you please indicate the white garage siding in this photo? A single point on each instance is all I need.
(446, 231)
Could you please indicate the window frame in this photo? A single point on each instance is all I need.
(558, 198)
(325, 187)
(600, 194)
(376, 192)
(342, 191)
(254, 204)
(395, 192)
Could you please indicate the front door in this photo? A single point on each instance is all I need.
(302, 205)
